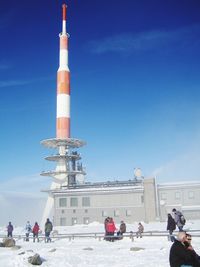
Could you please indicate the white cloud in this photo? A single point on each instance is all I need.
(13, 83)
(145, 41)
(19, 209)
(24, 184)
(10, 83)
(184, 167)
(21, 199)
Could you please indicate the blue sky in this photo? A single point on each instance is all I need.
(135, 95)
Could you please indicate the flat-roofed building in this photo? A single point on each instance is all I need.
(184, 196)
(131, 201)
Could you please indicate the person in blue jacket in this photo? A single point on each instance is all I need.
(10, 229)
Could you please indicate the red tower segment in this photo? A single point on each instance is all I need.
(63, 84)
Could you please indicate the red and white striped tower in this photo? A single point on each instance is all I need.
(63, 84)
(67, 170)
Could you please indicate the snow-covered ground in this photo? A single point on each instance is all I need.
(86, 252)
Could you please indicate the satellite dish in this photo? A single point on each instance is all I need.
(162, 202)
(137, 173)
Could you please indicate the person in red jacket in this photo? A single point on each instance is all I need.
(110, 229)
(35, 231)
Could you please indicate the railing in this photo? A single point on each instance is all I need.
(100, 235)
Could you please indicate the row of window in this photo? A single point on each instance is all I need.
(104, 213)
(74, 211)
(116, 213)
(191, 195)
(74, 202)
(86, 220)
(74, 220)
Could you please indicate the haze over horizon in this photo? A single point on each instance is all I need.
(134, 92)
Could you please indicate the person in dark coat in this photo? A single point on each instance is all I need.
(171, 226)
(188, 245)
(180, 255)
(9, 229)
(48, 228)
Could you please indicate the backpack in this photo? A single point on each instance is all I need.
(182, 219)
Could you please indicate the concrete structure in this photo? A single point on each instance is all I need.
(131, 201)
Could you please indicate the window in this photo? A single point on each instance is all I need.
(86, 220)
(74, 211)
(104, 213)
(142, 199)
(62, 202)
(177, 195)
(85, 201)
(74, 221)
(63, 211)
(163, 196)
(190, 194)
(74, 202)
(63, 221)
(116, 213)
(86, 211)
(128, 212)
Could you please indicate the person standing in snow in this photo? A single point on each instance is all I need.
(35, 231)
(140, 230)
(28, 229)
(179, 219)
(105, 227)
(48, 228)
(9, 230)
(171, 226)
(110, 229)
(122, 230)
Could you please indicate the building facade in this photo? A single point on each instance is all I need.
(183, 196)
(131, 201)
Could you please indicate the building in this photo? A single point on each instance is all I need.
(184, 196)
(131, 201)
